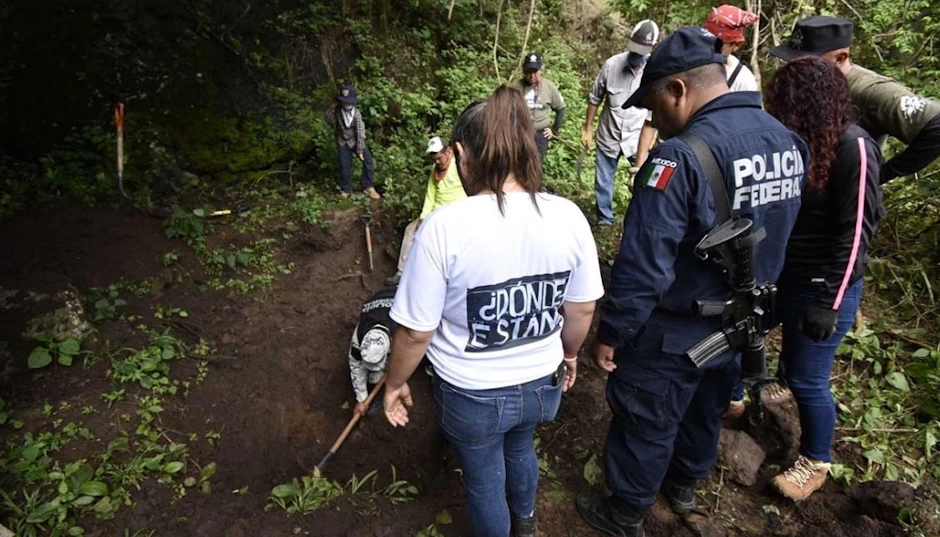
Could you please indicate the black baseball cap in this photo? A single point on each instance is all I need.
(533, 60)
(814, 36)
(687, 48)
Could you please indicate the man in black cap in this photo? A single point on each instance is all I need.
(666, 410)
(541, 95)
(886, 107)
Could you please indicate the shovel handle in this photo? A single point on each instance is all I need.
(352, 423)
(369, 246)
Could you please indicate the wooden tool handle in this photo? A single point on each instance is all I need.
(356, 415)
(369, 247)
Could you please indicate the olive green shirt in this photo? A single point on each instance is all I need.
(888, 108)
(540, 100)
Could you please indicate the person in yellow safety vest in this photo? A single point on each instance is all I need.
(444, 188)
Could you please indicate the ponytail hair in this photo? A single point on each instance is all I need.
(497, 139)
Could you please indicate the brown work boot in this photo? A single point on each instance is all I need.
(734, 411)
(802, 479)
(372, 193)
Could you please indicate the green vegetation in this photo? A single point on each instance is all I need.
(314, 491)
(46, 493)
(205, 133)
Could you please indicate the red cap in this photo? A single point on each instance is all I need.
(728, 23)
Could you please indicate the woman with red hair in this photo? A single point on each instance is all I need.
(728, 24)
(820, 287)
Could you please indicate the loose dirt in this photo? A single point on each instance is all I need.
(278, 382)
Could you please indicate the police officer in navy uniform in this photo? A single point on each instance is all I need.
(666, 412)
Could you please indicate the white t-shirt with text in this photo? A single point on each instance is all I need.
(491, 286)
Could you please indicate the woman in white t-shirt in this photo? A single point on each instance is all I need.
(728, 24)
(499, 291)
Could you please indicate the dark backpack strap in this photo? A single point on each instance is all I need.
(716, 179)
(735, 73)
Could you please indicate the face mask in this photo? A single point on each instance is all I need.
(348, 107)
(636, 60)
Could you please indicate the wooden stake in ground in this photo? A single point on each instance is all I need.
(349, 427)
(119, 125)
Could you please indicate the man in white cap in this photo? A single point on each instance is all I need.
(444, 187)
(370, 345)
(620, 132)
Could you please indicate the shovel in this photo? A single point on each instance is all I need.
(352, 423)
(367, 221)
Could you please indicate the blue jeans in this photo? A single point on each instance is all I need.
(493, 432)
(807, 364)
(346, 156)
(604, 185)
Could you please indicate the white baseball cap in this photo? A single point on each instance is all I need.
(435, 145)
(375, 346)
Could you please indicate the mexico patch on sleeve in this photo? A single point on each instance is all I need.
(658, 174)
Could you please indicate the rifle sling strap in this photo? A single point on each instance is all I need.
(716, 179)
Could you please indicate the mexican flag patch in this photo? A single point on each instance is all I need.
(659, 174)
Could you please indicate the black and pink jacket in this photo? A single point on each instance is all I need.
(830, 241)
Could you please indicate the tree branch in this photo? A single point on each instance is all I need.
(525, 42)
(499, 13)
(755, 42)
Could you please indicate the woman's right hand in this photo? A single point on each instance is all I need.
(397, 402)
(571, 373)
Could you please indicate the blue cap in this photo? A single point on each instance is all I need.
(687, 48)
(347, 94)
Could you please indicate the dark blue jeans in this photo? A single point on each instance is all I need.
(807, 365)
(346, 156)
(493, 432)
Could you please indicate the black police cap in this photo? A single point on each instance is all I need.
(687, 48)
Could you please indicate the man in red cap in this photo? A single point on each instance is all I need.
(728, 24)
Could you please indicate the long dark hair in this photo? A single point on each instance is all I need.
(810, 96)
(497, 140)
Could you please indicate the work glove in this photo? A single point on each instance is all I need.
(587, 136)
(818, 322)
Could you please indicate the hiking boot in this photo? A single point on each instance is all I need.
(345, 195)
(734, 411)
(371, 192)
(681, 497)
(805, 477)
(523, 527)
(598, 512)
(393, 280)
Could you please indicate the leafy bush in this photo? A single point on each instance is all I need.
(191, 227)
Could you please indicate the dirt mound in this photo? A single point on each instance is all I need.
(278, 384)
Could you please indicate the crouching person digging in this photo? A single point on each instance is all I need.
(370, 346)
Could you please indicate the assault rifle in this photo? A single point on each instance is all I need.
(745, 318)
